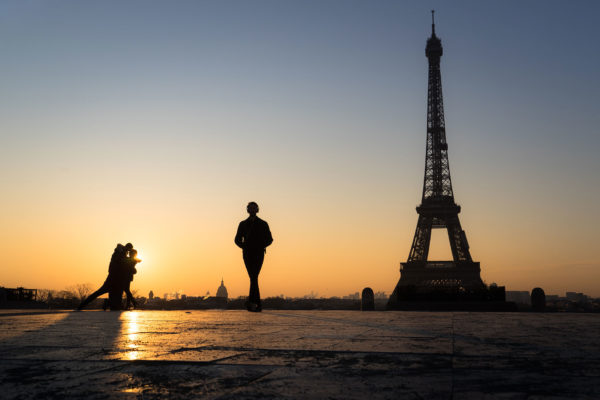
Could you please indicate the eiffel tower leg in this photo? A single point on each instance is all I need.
(458, 240)
(420, 246)
(418, 253)
(467, 271)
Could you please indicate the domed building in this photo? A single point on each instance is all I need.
(222, 291)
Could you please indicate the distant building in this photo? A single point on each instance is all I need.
(222, 291)
(576, 297)
(381, 295)
(18, 294)
(151, 295)
(517, 296)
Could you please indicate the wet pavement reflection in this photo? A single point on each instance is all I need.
(131, 332)
(298, 354)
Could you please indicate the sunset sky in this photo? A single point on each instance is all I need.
(155, 122)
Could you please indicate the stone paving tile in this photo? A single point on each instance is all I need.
(299, 354)
(14, 326)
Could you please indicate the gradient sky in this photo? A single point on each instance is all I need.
(155, 122)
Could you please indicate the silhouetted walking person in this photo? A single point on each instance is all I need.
(253, 236)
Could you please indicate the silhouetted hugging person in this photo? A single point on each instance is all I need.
(112, 280)
(124, 276)
(120, 274)
(128, 271)
(253, 236)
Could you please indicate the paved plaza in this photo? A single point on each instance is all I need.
(298, 354)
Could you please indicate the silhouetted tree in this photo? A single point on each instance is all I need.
(83, 290)
(79, 291)
(45, 295)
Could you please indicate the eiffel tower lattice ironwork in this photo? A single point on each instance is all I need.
(437, 209)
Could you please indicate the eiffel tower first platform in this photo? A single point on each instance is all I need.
(421, 279)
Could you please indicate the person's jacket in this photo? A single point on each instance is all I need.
(114, 268)
(253, 234)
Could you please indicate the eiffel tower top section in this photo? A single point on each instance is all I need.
(434, 44)
(437, 185)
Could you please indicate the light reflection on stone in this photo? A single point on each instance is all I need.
(131, 332)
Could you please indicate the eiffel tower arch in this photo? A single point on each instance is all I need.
(419, 277)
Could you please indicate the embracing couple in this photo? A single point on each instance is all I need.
(120, 274)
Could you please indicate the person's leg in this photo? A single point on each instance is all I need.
(130, 299)
(254, 295)
(248, 262)
(103, 289)
(115, 299)
(253, 261)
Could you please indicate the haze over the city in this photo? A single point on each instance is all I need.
(157, 122)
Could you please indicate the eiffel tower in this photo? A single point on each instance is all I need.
(437, 209)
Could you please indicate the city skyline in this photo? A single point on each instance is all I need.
(156, 123)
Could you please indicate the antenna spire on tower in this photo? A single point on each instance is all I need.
(432, 22)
